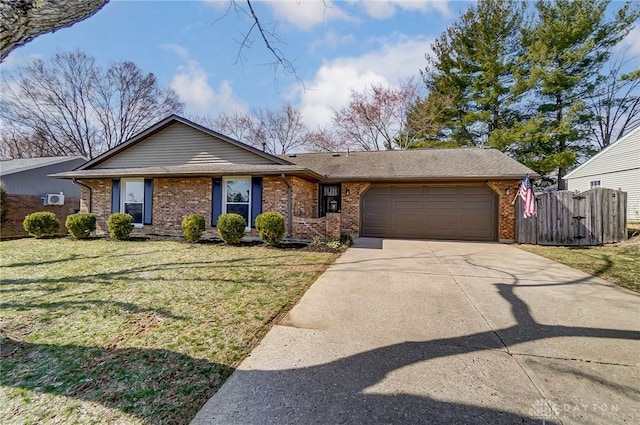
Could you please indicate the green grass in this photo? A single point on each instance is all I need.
(619, 264)
(134, 332)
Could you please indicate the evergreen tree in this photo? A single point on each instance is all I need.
(566, 45)
(473, 66)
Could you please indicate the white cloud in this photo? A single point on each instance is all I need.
(307, 14)
(191, 83)
(177, 49)
(382, 9)
(332, 40)
(632, 42)
(332, 85)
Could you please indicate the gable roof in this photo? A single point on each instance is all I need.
(623, 154)
(166, 123)
(417, 164)
(19, 165)
(423, 164)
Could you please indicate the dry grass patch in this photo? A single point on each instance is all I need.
(134, 332)
(619, 263)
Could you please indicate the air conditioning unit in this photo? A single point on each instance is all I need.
(54, 199)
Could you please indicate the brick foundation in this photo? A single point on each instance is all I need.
(19, 206)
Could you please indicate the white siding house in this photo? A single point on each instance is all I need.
(615, 167)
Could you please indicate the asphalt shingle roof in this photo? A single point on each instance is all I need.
(432, 164)
(10, 166)
(191, 171)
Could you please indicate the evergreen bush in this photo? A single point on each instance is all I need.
(41, 224)
(270, 226)
(192, 227)
(120, 226)
(231, 228)
(81, 225)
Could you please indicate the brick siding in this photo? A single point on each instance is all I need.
(327, 227)
(100, 201)
(351, 206)
(506, 207)
(19, 206)
(173, 198)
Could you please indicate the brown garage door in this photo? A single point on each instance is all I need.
(429, 212)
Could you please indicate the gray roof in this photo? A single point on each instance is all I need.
(417, 164)
(12, 166)
(195, 170)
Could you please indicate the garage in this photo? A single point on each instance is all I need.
(429, 212)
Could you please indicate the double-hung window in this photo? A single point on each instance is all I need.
(237, 197)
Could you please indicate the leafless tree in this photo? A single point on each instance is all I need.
(237, 125)
(281, 130)
(324, 140)
(80, 109)
(23, 20)
(616, 103)
(126, 101)
(14, 144)
(375, 119)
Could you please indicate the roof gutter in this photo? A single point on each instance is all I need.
(75, 181)
(289, 206)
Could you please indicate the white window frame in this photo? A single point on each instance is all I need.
(123, 196)
(595, 183)
(224, 196)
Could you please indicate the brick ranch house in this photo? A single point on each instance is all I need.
(177, 167)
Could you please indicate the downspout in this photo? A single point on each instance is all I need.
(75, 181)
(289, 207)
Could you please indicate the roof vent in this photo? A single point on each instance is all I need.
(335, 154)
(293, 155)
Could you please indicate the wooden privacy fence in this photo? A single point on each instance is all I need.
(593, 217)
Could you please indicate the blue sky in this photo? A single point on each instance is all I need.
(193, 46)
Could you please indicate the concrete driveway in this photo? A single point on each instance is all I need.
(407, 332)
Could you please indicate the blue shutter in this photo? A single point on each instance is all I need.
(256, 199)
(148, 202)
(216, 201)
(115, 196)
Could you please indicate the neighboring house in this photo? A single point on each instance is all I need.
(30, 189)
(177, 168)
(615, 167)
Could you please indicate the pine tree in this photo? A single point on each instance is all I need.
(473, 66)
(566, 46)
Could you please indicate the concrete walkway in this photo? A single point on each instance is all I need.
(408, 332)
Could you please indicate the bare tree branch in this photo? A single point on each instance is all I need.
(23, 20)
(78, 108)
(616, 103)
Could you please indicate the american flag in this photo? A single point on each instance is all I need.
(528, 198)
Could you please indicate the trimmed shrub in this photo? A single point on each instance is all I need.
(81, 225)
(192, 227)
(120, 226)
(41, 224)
(231, 227)
(270, 225)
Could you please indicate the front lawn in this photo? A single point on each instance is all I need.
(619, 264)
(134, 332)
